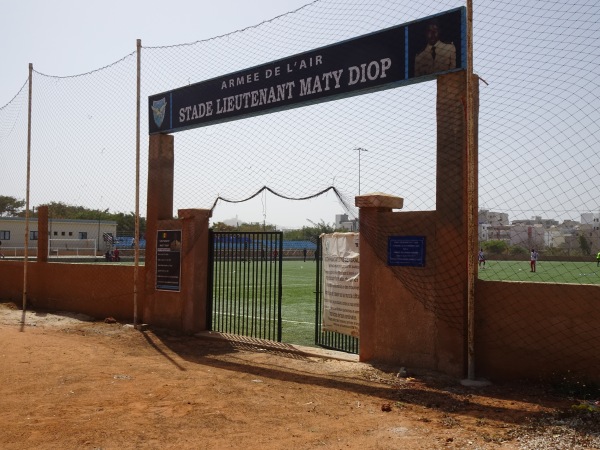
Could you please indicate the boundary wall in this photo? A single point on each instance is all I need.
(407, 335)
(414, 317)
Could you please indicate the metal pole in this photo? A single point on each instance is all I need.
(26, 250)
(471, 200)
(137, 184)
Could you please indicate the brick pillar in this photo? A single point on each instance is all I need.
(161, 163)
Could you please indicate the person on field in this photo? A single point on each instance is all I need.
(481, 258)
(533, 259)
(598, 260)
(304, 254)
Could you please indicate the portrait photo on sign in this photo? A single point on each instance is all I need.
(435, 45)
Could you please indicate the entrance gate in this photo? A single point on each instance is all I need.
(245, 289)
(245, 284)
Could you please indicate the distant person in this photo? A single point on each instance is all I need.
(597, 260)
(304, 254)
(116, 256)
(275, 253)
(2, 254)
(437, 56)
(533, 259)
(481, 258)
(107, 256)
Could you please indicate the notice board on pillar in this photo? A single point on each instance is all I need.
(168, 260)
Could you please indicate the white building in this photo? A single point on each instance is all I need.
(86, 233)
(591, 219)
(493, 218)
(342, 221)
(528, 236)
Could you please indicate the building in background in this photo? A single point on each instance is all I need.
(95, 234)
(342, 221)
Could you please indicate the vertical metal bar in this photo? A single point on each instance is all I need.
(228, 287)
(216, 281)
(26, 250)
(211, 275)
(248, 292)
(137, 184)
(235, 306)
(222, 279)
(255, 296)
(318, 299)
(268, 271)
(280, 287)
(263, 265)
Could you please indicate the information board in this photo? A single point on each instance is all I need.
(406, 251)
(168, 260)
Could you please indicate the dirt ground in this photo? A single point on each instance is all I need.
(69, 382)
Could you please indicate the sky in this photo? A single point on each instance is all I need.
(539, 152)
(48, 34)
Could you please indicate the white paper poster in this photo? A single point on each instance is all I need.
(340, 283)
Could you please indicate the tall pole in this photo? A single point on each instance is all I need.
(26, 249)
(471, 200)
(137, 185)
(359, 150)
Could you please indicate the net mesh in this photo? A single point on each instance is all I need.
(539, 151)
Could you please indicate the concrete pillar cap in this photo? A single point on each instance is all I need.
(378, 200)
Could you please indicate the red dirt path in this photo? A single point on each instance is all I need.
(72, 384)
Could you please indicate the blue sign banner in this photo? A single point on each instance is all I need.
(408, 251)
(404, 54)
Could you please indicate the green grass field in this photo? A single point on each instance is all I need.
(298, 302)
(546, 272)
(244, 300)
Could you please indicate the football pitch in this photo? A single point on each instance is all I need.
(546, 272)
(299, 284)
(298, 304)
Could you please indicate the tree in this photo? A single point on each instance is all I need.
(222, 226)
(126, 223)
(243, 227)
(10, 206)
(58, 210)
(495, 246)
(584, 245)
(516, 250)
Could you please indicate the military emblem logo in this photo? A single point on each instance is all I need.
(158, 111)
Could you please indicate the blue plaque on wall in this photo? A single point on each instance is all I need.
(408, 251)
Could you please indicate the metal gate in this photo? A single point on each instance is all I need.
(329, 339)
(245, 283)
